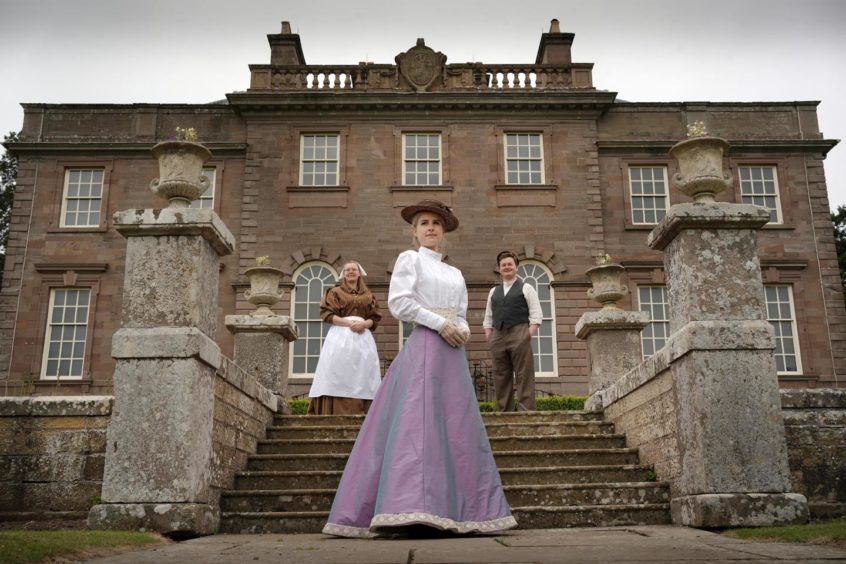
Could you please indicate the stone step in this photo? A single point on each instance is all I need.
(506, 429)
(499, 443)
(523, 416)
(634, 493)
(324, 479)
(574, 474)
(591, 516)
(504, 459)
(528, 517)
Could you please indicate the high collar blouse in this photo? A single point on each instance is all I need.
(421, 283)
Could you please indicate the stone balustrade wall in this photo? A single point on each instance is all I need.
(243, 409)
(815, 428)
(52, 450)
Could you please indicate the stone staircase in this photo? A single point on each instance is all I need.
(558, 469)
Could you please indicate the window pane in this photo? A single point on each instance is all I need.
(309, 287)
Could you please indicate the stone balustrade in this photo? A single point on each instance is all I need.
(466, 76)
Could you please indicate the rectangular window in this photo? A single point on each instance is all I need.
(648, 188)
(653, 300)
(759, 186)
(319, 160)
(206, 200)
(67, 333)
(82, 197)
(781, 315)
(421, 163)
(523, 158)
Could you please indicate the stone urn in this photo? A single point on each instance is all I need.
(700, 174)
(264, 288)
(181, 177)
(608, 287)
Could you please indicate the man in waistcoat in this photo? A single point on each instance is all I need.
(512, 316)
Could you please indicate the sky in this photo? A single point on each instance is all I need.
(196, 51)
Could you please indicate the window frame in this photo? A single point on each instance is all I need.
(404, 162)
(73, 276)
(47, 341)
(401, 332)
(794, 326)
(779, 192)
(56, 223)
(552, 319)
(665, 321)
(505, 159)
(338, 160)
(631, 196)
(214, 188)
(306, 376)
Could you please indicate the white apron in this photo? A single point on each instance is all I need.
(348, 366)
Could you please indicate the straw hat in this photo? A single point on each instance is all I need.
(432, 206)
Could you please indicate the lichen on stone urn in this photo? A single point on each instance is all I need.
(607, 280)
(700, 160)
(181, 178)
(264, 286)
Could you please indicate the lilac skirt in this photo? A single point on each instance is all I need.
(422, 455)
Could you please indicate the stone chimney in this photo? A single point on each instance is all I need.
(285, 47)
(554, 48)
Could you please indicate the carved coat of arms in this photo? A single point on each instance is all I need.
(421, 65)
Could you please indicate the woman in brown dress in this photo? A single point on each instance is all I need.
(347, 374)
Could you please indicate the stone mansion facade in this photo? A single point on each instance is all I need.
(312, 163)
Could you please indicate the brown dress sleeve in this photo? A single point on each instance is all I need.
(373, 313)
(331, 305)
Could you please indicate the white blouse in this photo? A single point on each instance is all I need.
(421, 283)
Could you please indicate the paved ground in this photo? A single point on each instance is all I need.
(617, 545)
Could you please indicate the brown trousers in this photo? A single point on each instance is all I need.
(511, 352)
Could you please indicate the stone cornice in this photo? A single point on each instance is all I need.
(122, 148)
(590, 102)
(44, 267)
(662, 146)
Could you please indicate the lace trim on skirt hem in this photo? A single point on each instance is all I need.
(400, 519)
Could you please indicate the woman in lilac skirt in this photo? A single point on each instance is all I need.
(422, 456)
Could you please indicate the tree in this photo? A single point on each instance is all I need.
(838, 219)
(8, 183)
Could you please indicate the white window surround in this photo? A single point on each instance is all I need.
(82, 197)
(421, 159)
(523, 158)
(206, 199)
(653, 300)
(311, 281)
(759, 186)
(66, 336)
(781, 313)
(319, 159)
(544, 347)
(648, 194)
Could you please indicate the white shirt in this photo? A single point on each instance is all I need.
(535, 312)
(420, 283)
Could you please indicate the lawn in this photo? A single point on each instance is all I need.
(829, 532)
(25, 547)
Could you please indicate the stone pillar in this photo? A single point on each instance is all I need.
(159, 442)
(613, 341)
(261, 348)
(733, 456)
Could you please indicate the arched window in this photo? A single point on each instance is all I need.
(311, 281)
(543, 343)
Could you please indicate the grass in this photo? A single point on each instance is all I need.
(830, 532)
(547, 403)
(25, 547)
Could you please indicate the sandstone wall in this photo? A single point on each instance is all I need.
(815, 427)
(51, 455)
